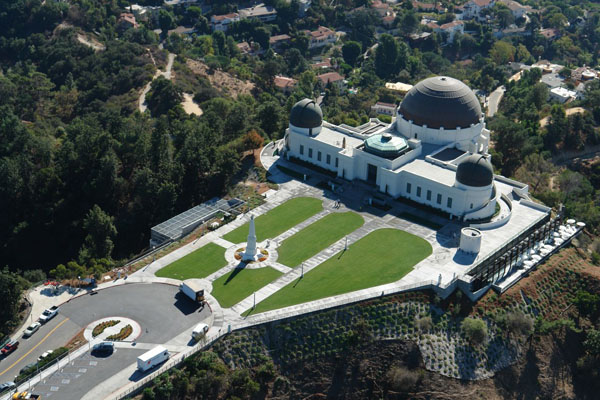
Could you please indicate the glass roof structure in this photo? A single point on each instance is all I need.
(176, 227)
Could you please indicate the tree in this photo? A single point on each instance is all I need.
(386, 56)
(10, 296)
(536, 172)
(475, 330)
(557, 127)
(502, 52)
(351, 51)
(519, 323)
(409, 23)
(166, 20)
(163, 96)
(252, 140)
(101, 232)
(586, 302)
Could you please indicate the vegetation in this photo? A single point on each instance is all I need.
(475, 330)
(122, 334)
(198, 264)
(383, 256)
(317, 236)
(278, 220)
(235, 286)
(98, 329)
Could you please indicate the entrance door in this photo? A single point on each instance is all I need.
(371, 173)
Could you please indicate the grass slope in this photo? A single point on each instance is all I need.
(199, 264)
(317, 236)
(279, 219)
(235, 286)
(381, 257)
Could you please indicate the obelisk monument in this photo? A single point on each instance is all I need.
(250, 253)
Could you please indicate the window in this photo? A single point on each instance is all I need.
(408, 187)
(471, 206)
(449, 203)
(429, 195)
(418, 191)
(439, 198)
(301, 150)
(309, 152)
(328, 159)
(336, 162)
(318, 156)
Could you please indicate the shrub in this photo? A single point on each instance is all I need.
(519, 323)
(402, 379)
(475, 330)
(34, 275)
(123, 333)
(98, 329)
(424, 324)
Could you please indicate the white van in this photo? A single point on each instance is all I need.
(152, 358)
(199, 331)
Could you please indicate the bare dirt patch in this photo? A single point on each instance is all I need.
(189, 106)
(90, 42)
(221, 80)
(569, 111)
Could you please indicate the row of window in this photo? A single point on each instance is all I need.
(438, 199)
(319, 156)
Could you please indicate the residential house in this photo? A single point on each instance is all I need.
(583, 74)
(382, 9)
(284, 84)
(185, 3)
(223, 22)
(562, 95)
(473, 9)
(333, 79)
(145, 13)
(278, 42)
(260, 11)
(325, 64)
(388, 21)
(550, 33)
(518, 10)
(126, 21)
(449, 29)
(398, 87)
(385, 108)
(321, 37)
(244, 48)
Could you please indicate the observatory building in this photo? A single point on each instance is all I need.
(434, 153)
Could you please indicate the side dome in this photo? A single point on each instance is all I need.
(306, 114)
(475, 171)
(441, 101)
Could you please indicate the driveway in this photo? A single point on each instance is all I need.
(494, 100)
(160, 310)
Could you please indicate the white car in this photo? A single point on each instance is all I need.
(46, 354)
(31, 329)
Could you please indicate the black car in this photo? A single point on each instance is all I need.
(103, 348)
(28, 367)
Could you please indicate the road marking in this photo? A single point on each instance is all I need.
(34, 347)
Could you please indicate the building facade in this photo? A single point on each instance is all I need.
(434, 153)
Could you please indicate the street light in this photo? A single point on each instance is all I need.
(302, 276)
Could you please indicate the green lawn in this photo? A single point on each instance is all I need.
(235, 286)
(381, 257)
(199, 264)
(317, 236)
(279, 219)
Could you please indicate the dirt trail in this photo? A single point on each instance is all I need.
(569, 111)
(166, 73)
(190, 106)
(90, 42)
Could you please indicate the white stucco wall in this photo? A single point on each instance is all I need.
(463, 137)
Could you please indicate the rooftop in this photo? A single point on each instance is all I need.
(330, 77)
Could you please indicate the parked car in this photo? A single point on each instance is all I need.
(48, 314)
(199, 331)
(103, 348)
(27, 367)
(46, 354)
(31, 329)
(6, 386)
(10, 347)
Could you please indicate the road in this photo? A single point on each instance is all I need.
(166, 73)
(494, 100)
(160, 310)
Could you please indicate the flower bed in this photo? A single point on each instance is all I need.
(123, 334)
(98, 329)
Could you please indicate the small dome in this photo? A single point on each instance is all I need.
(385, 145)
(306, 114)
(441, 101)
(475, 171)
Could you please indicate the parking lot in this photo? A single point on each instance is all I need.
(160, 310)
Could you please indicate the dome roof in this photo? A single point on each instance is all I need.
(475, 171)
(306, 114)
(441, 101)
(385, 145)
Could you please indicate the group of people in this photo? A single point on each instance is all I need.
(337, 204)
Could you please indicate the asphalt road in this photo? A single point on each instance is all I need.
(494, 100)
(160, 310)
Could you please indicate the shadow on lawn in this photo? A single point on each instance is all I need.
(234, 273)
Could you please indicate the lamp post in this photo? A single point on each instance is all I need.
(254, 304)
(346, 246)
(302, 275)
